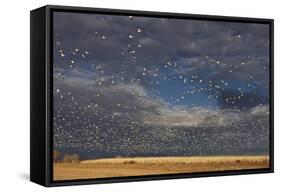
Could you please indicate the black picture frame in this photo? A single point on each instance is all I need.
(41, 83)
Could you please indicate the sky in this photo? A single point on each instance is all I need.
(146, 86)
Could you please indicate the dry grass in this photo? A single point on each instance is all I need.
(118, 167)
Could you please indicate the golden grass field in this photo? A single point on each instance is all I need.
(137, 166)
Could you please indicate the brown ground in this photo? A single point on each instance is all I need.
(118, 167)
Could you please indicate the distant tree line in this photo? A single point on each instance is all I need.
(59, 157)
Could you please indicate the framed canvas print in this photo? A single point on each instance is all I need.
(119, 95)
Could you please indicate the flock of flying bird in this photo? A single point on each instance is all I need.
(98, 128)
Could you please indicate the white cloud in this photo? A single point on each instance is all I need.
(134, 99)
(204, 117)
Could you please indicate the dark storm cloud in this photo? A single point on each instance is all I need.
(248, 100)
(161, 39)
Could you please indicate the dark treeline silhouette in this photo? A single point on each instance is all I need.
(59, 157)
